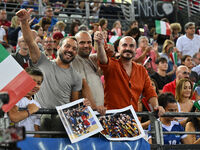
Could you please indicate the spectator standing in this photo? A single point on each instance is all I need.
(125, 80)
(117, 28)
(189, 44)
(187, 61)
(176, 29)
(86, 65)
(48, 46)
(161, 76)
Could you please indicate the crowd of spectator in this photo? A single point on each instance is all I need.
(136, 69)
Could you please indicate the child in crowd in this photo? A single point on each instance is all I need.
(25, 117)
(168, 102)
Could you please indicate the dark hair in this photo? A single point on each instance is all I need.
(156, 85)
(34, 71)
(69, 37)
(73, 25)
(165, 98)
(36, 27)
(132, 22)
(184, 58)
(133, 31)
(102, 21)
(189, 24)
(194, 120)
(161, 59)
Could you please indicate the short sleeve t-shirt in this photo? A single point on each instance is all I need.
(58, 83)
(172, 139)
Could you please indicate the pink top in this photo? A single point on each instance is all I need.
(152, 54)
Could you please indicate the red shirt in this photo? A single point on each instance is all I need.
(170, 87)
(120, 89)
(5, 23)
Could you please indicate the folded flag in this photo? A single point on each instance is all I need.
(14, 79)
(162, 27)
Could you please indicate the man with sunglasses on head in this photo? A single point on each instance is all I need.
(181, 72)
(125, 80)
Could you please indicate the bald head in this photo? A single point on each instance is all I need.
(127, 46)
(182, 72)
(82, 33)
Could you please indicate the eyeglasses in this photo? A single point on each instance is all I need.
(186, 73)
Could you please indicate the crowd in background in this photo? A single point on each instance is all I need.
(155, 52)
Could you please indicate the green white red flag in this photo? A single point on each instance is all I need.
(173, 57)
(13, 79)
(162, 27)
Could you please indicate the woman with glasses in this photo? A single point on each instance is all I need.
(184, 93)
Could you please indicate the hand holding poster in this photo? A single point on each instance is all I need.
(79, 121)
(121, 125)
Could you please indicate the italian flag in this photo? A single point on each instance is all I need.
(174, 58)
(162, 27)
(13, 79)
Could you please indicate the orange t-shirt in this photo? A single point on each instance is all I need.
(120, 89)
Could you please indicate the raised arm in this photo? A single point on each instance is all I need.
(34, 50)
(99, 41)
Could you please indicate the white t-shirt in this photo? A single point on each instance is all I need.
(2, 33)
(32, 120)
(187, 46)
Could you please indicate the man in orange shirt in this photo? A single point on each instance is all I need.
(125, 80)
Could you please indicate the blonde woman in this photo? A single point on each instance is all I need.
(168, 47)
(184, 93)
(176, 29)
(14, 31)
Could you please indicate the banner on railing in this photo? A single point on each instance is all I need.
(89, 144)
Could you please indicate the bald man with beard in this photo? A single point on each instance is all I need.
(125, 80)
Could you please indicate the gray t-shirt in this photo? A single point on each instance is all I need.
(58, 83)
(88, 70)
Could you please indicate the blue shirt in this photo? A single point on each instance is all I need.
(172, 139)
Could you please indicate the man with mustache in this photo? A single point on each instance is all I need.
(22, 56)
(125, 80)
(62, 84)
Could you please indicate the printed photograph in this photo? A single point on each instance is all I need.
(121, 124)
(79, 121)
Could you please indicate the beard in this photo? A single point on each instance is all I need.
(66, 61)
(84, 53)
(127, 57)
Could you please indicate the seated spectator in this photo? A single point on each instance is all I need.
(4, 22)
(48, 46)
(134, 32)
(184, 93)
(61, 26)
(74, 28)
(196, 59)
(143, 52)
(193, 125)
(117, 28)
(45, 23)
(181, 72)
(161, 76)
(14, 31)
(25, 117)
(49, 14)
(134, 24)
(176, 29)
(22, 55)
(187, 61)
(168, 102)
(168, 48)
(39, 30)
